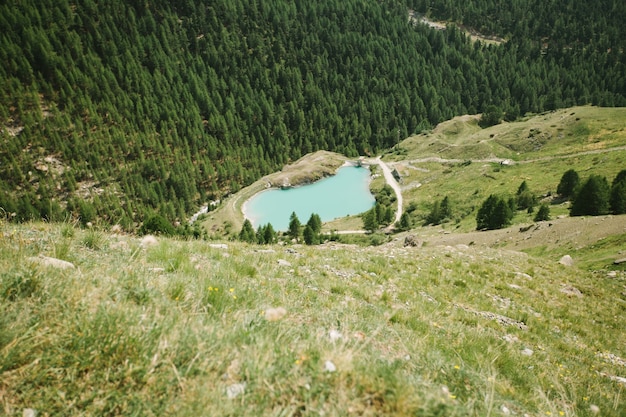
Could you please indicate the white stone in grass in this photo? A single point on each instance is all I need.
(566, 260)
(149, 240)
(235, 390)
(53, 262)
(218, 245)
(527, 352)
(329, 366)
(284, 262)
(334, 335)
(505, 410)
(275, 314)
(29, 412)
(594, 409)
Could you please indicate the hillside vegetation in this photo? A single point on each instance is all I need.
(169, 327)
(466, 163)
(114, 111)
(460, 160)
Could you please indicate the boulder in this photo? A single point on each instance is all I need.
(412, 241)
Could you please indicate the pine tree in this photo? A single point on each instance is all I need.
(316, 223)
(569, 184)
(247, 233)
(593, 198)
(491, 116)
(494, 213)
(370, 220)
(309, 235)
(543, 213)
(294, 226)
(618, 194)
(526, 200)
(405, 221)
(269, 234)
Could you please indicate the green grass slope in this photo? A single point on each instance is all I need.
(460, 160)
(192, 328)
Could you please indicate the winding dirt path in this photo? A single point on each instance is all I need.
(437, 159)
(389, 178)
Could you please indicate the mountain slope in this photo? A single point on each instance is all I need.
(179, 328)
(113, 111)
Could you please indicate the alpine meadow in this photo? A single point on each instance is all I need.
(488, 278)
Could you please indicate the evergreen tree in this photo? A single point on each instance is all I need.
(446, 208)
(247, 233)
(491, 116)
(294, 226)
(618, 194)
(405, 222)
(593, 198)
(269, 234)
(440, 212)
(494, 213)
(434, 217)
(316, 223)
(569, 184)
(309, 235)
(543, 213)
(526, 200)
(370, 220)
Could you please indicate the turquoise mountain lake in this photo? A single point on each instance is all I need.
(343, 194)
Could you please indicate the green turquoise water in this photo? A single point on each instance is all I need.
(343, 194)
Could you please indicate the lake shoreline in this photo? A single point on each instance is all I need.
(249, 214)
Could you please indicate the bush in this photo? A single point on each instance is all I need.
(157, 224)
(491, 116)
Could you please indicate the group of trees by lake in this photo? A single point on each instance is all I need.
(310, 233)
(114, 111)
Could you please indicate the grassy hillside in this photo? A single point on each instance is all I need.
(460, 160)
(190, 328)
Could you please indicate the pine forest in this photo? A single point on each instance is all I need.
(116, 110)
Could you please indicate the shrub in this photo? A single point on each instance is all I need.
(157, 224)
(491, 116)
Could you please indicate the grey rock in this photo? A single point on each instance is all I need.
(566, 260)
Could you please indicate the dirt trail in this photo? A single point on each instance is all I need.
(389, 178)
(437, 159)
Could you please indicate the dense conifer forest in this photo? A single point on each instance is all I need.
(119, 110)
